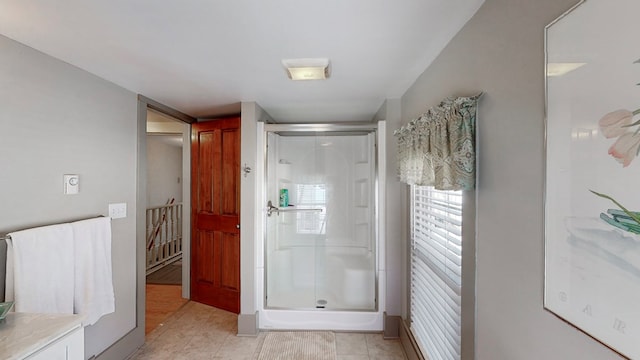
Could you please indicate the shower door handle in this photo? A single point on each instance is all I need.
(271, 209)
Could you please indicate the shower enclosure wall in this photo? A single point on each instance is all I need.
(320, 250)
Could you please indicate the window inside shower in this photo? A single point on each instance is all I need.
(311, 197)
(320, 247)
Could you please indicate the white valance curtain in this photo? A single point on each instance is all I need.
(438, 148)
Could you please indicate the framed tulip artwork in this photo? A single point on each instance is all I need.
(592, 177)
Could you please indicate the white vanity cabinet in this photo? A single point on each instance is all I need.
(41, 337)
(69, 347)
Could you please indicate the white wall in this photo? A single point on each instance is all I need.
(252, 113)
(500, 51)
(56, 119)
(164, 170)
(396, 209)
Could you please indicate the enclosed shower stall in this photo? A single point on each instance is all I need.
(321, 259)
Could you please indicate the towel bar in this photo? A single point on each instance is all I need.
(8, 237)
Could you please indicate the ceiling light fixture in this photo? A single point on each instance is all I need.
(307, 69)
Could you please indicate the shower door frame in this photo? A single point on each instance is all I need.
(322, 319)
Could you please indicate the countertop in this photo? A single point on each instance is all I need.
(22, 334)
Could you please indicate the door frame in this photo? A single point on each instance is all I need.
(318, 320)
(144, 104)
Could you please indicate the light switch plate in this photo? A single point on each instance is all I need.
(118, 211)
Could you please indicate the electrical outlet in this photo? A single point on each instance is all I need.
(118, 211)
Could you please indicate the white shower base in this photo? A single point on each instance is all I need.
(320, 319)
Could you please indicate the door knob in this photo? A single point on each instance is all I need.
(237, 226)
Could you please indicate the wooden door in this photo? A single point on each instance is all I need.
(215, 196)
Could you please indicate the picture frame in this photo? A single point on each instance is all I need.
(592, 172)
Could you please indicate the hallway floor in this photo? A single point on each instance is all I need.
(197, 331)
(161, 302)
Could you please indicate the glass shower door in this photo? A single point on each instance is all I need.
(320, 239)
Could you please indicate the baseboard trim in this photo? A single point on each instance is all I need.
(124, 347)
(248, 324)
(391, 326)
(409, 343)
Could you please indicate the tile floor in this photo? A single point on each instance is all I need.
(198, 331)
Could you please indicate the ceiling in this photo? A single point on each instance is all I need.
(204, 57)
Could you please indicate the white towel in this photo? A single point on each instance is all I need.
(94, 295)
(40, 269)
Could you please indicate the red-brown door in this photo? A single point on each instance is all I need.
(215, 196)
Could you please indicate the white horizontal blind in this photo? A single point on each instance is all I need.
(436, 269)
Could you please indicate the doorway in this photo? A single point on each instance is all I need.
(167, 162)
